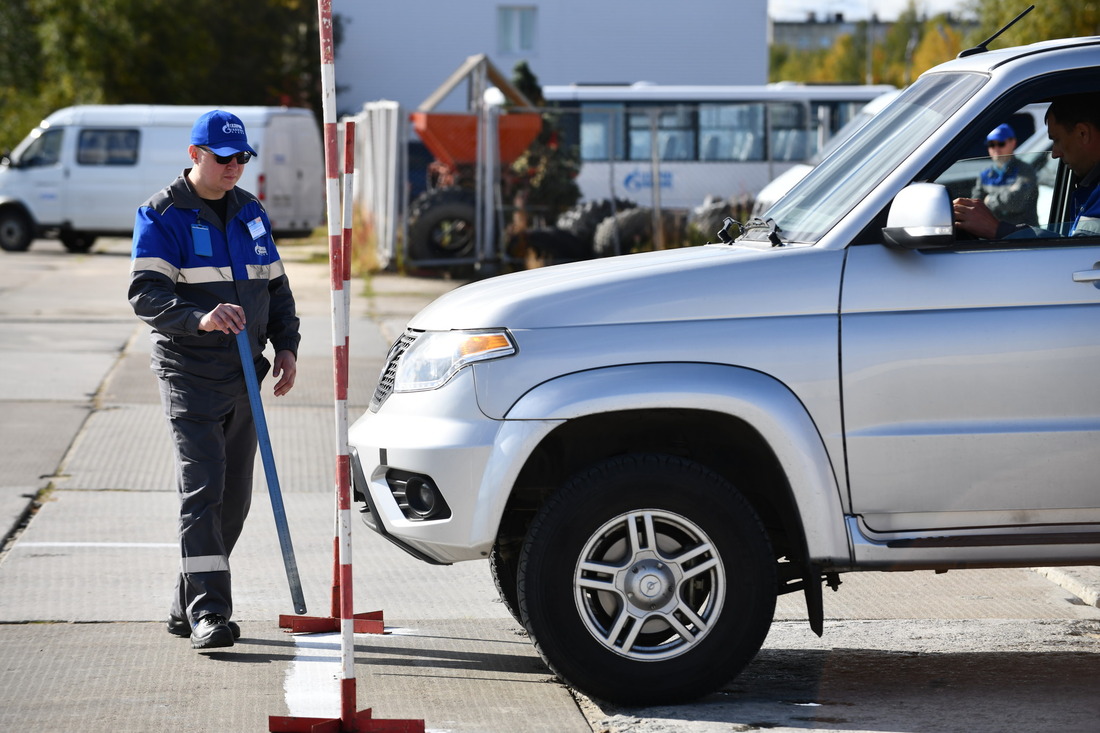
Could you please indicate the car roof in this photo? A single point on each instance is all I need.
(990, 61)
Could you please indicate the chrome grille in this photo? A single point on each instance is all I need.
(386, 378)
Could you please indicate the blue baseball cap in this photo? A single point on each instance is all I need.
(1001, 133)
(222, 132)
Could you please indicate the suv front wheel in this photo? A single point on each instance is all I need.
(647, 579)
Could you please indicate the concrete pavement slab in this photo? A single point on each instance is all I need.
(30, 283)
(31, 375)
(34, 437)
(134, 678)
(959, 594)
(96, 556)
(877, 676)
(123, 446)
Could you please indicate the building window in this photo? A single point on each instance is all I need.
(516, 29)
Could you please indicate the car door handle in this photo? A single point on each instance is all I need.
(1086, 276)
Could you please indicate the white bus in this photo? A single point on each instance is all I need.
(719, 141)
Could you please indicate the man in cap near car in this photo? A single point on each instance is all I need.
(1009, 187)
(205, 268)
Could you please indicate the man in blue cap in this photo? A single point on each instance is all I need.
(1009, 187)
(204, 268)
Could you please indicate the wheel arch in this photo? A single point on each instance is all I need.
(741, 423)
(9, 203)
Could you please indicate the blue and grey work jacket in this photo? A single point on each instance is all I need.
(184, 264)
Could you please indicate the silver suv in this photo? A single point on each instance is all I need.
(649, 448)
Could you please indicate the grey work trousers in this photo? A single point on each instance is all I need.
(215, 443)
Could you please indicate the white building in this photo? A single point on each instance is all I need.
(402, 51)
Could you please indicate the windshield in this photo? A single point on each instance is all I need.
(847, 176)
(41, 147)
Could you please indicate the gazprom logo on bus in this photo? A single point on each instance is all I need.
(232, 128)
(638, 180)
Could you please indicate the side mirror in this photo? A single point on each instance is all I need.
(921, 217)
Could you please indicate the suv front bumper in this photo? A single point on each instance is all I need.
(440, 436)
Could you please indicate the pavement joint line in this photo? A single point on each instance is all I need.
(34, 503)
(157, 545)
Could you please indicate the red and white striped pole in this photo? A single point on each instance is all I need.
(351, 720)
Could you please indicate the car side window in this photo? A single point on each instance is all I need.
(1020, 191)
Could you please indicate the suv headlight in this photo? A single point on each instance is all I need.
(436, 356)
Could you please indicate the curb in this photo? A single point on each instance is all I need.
(1083, 582)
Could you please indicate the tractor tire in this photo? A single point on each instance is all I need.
(441, 225)
(582, 220)
(627, 232)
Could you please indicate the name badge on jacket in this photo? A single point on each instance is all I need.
(200, 235)
(256, 228)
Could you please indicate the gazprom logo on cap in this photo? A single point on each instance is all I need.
(233, 128)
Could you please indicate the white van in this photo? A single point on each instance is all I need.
(84, 171)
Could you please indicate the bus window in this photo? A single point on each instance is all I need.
(789, 135)
(675, 132)
(600, 125)
(731, 131)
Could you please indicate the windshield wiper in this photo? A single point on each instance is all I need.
(769, 224)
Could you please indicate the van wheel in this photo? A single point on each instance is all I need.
(77, 241)
(647, 580)
(15, 231)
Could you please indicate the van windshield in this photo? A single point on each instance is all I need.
(847, 176)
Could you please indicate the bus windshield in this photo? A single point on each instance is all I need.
(846, 177)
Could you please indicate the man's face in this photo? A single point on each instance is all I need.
(1001, 150)
(213, 179)
(1078, 146)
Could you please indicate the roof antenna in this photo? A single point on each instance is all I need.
(983, 46)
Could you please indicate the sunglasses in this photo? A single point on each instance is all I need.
(989, 144)
(241, 158)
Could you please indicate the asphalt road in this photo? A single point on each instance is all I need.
(87, 509)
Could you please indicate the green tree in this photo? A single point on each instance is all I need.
(1048, 21)
(545, 172)
(20, 59)
(898, 47)
(215, 52)
(912, 45)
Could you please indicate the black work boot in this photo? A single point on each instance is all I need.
(211, 632)
(178, 627)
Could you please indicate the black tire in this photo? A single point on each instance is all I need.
(77, 241)
(552, 246)
(504, 566)
(626, 232)
(441, 225)
(16, 231)
(581, 220)
(582, 579)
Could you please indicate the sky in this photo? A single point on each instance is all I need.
(855, 9)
